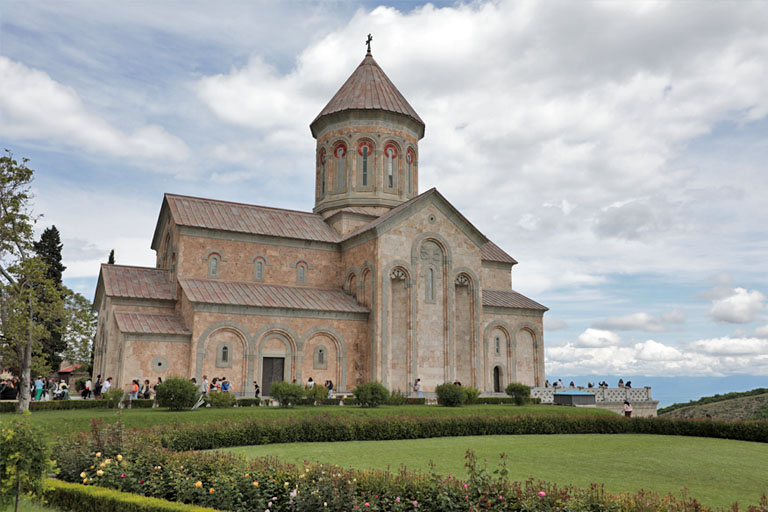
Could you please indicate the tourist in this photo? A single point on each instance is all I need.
(628, 385)
(310, 383)
(329, 385)
(224, 385)
(215, 385)
(38, 387)
(547, 384)
(621, 383)
(87, 390)
(417, 388)
(135, 389)
(560, 383)
(627, 409)
(52, 388)
(97, 387)
(106, 386)
(159, 381)
(205, 386)
(146, 390)
(256, 389)
(456, 382)
(572, 385)
(589, 385)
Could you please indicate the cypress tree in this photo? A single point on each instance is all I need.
(49, 249)
(111, 260)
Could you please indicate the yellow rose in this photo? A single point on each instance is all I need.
(198, 484)
(247, 475)
(100, 473)
(98, 454)
(255, 483)
(211, 491)
(82, 475)
(119, 457)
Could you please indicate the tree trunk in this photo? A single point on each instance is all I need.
(25, 361)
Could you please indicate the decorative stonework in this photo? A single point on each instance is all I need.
(462, 280)
(399, 274)
(159, 364)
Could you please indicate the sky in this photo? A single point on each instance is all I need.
(617, 150)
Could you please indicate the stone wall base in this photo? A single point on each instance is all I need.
(639, 409)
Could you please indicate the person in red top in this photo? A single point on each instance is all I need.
(134, 389)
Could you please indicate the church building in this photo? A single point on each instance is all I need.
(377, 282)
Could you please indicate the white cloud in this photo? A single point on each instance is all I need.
(593, 338)
(761, 332)
(554, 324)
(741, 307)
(711, 357)
(35, 107)
(641, 322)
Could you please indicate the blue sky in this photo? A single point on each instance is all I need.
(616, 150)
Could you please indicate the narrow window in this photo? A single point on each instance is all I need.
(322, 178)
(339, 167)
(320, 356)
(213, 266)
(409, 176)
(259, 270)
(498, 345)
(224, 354)
(431, 284)
(300, 273)
(365, 166)
(390, 171)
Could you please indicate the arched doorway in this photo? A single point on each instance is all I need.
(497, 379)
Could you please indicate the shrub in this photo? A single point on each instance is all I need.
(221, 399)
(371, 394)
(286, 393)
(472, 394)
(24, 459)
(112, 397)
(397, 397)
(520, 393)
(177, 393)
(316, 394)
(451, 395)
(248, 402)
(80, 384)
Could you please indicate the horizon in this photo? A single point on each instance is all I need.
(616, 151)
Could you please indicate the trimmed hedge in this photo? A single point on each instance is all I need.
(322, 429)
(248, 402)
(61, 405)
(76, 498)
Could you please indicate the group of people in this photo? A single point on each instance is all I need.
(328, 384)
(559, 384)
(41, 388)
(217, 384)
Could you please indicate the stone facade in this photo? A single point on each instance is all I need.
(379, 282)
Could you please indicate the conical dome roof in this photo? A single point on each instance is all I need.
(368, 88)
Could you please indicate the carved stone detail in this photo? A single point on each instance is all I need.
(462, 280)
(398, 273)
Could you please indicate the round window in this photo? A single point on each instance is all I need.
(159, 364)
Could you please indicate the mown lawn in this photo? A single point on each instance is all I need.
(716, 471)
(27, 506)
(77, 420)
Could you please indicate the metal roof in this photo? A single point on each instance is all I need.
(150, 323)
(247, 218)
(510, 299)
(369, 88)
(246, 293)
(137, 282)
(492, 252)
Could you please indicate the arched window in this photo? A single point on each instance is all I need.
(224, 354)
(301, 273)
(365, 166)
(320, 358)
(322, 172)
(259, 270)
(497, 340)
(390, 167)
(409, 170)
(340, 152)
(430, 284)
(213, 266)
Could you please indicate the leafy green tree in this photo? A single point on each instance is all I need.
(24, 461)
(111, 260)
(48, 249)
(79, 328)
(30, 302)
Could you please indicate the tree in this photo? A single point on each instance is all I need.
(79, 328)
(48, 248)
(111, 260)
(29, 300)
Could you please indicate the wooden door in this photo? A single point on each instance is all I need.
(272, 371)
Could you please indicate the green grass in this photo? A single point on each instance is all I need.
(27, 506)
(77, 420)
(716, 471)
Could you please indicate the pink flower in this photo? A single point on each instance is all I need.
(542, 493)
(465, 486)
(122, 476)
(415, 503)
(397, 499)
(367, 504)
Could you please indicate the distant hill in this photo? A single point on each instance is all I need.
(747, 405)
